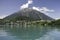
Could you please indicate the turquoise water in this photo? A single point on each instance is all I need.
(29, 32)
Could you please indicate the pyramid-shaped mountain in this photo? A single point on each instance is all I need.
(28, 14)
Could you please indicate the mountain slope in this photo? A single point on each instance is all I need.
(28, 14)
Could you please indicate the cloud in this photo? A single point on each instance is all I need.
(43, 9)
(1, 17)
(57, 18)
(36, 8)
(26, 5)
(46, 9)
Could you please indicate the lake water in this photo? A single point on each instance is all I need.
(29, 32)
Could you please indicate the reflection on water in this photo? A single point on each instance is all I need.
(29, 32)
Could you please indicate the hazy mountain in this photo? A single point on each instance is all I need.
(28, 14)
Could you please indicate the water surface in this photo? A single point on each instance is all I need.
(29, 32)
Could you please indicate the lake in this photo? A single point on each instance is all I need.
(29, 32)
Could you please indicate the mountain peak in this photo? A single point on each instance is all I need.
(26, 9)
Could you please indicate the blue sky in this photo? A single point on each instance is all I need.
(8, 7)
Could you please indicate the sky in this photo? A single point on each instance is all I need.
(48, 7)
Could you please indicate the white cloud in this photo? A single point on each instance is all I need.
(1, 17)
(36, 8)
(43, 10)
(57, 18)
(46, 9)
(26, 5)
